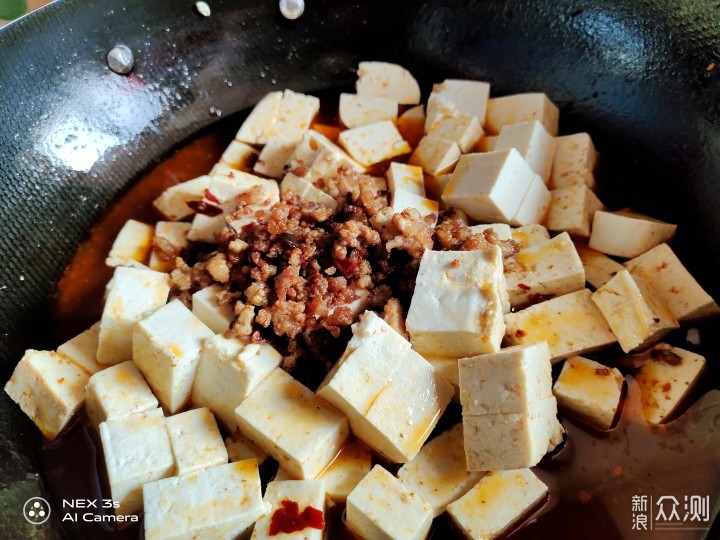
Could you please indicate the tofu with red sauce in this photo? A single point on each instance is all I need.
(294, 510)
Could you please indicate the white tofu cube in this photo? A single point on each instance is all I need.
(382, 507)
(292, 424)
(294, 116)
(466, 97)
(275, 155)
(599, 268)
(438, 474)
(463, 129)
(240, 448)
(403, 200)
(220, 502)
(662, 270)
(390, 81)
(132, 295)
(529, 235)
(533, 142)
(171, 236)
(405, 177)
(574, 162)
(133, 242)
(438, 107)
(228, 371)
(590, 390)
(411, 125)
(49, 389)
(306, 191)
(628, 234)
(301, 497)
(314, 150)
(239, 156)
(572, 210)
(488, 186)
(254, 128)
(496, 502)
(533, 205)
(356, 110)
(449, 369)
(552, 268)
(634, 312)
(116, 392)
(458, 305)
(487, 143)
(435, 185)
(519, 108)
(665, 379)
(571, 325)
(196, 441)
(502, 230)
(373, 143)
(166, 349)
(137, 451)
(205, 307)
(346, 471)
(436, 156)
(173, 202)
(82, 349)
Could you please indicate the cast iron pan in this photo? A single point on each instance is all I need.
(642, 77)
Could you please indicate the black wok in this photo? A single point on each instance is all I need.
(642, 77)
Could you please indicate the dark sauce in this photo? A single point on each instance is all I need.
(591, 478)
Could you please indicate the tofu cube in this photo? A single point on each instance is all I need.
(351, 465)
(403, 200)
(173, 202)
(574, 162)
(292, 424)
(303, 496)
(240, 448)
(435, 185)
(116, 392)
(356, 110)
(519, 108)
(196, 441)
(436, 156)
(382, 507)
(533, 142)
(458, 305)
(137, 451)
(571, 325)
(228, 371)
(487, 186)
(411, 125)
(487, 143)
(634, 312)
(466, 97)
(628, 234)
(529, 235)
(220, 502)
(662, 270)
(166, 349)
(665, 379)
(82, 349)
(599, 268)
(572, 210)
(502, 230)
(552, 268)
(275, 155)
(463, 129)
(49, 389)
(306, 191)
(405, 177)
(239, 156)
(390, 81)
(438, 474)
(496, 502)
(373, 143)
(590, 390)
(205, 307)
(132, 295)
(254, 128)
(533, 205)
(170, 239)
(133, 242)
(448, 368)
(316, 152)
(294, 116)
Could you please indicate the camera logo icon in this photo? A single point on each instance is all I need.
(36, 510)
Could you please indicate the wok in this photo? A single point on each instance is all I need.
(642, 77)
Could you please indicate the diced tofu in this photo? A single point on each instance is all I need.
(497, 501)
(436, 156)
(487, 143)
(240, 448)
(382, 507)
(458, 304)
(502, 230)
(552, 268)
(404, 199)
(373, 143)
(464, 130)
(196, 441)
(487, 186)
(634, 312)
(132, 295)
(314, 149)
(406, 177)
(294, 116)
(533, 205)
(411, 125)
(448, 368)
(306, 191)
(356, 110)
(438, 473)
(133, 242)
(292, 424)
(435, 185)
(572, 210)
(466, 97)
(82, 349)
(571, 325)
(519, 108)
(665, 379)
(254, 128)
(439, 107)
(662, 270)
(116, 392)
(574, 162)
(529, 235)
(220, 502)
(628, 234)
(137, 451)
(599, 268)
(239, 156)
(275, 155)
(170, 239)
(166, 349)
(228, 371)
(389, 81)
(206, 308)
(346, 471)
(533, 142)
(305, 496)
(590, 390)
(173, 202)
(49, 388)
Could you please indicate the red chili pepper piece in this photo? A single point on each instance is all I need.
(289, 519)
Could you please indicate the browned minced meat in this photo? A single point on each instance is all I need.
(452, 235)
(393, 315)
